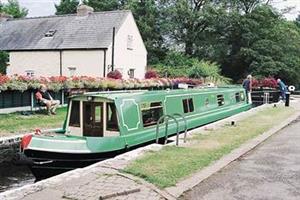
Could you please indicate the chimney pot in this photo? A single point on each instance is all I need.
(84, 10)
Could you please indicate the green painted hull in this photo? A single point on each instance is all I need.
(130, 123)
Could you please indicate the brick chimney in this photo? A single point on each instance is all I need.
(84, 10)
(4, 17)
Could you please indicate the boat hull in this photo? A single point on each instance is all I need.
(47, 164)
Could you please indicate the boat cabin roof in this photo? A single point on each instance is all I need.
(113, 95)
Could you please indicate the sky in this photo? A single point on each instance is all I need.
(46, 7)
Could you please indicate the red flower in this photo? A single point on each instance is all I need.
(3, 79)
(151, 74)
(114, 74)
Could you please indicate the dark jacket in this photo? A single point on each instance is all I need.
(247, 85)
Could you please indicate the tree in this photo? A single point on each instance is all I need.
(13, 8)
(104, 5)
(3, 62)
(66, 7)
(297, 21)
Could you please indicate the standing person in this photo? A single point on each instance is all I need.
(247, 84)
(44, 97)
(282, 88)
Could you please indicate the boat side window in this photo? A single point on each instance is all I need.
(111, 116)
(242, 96)
(206, 102)
(75, 114)
(237, 97)
(188, 105)
(151, 112)
(220, 100)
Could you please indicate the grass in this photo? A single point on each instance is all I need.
(167, 166)
(17, 123)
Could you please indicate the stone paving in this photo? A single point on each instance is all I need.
(103, 184)
(100, 181)
(269, 172)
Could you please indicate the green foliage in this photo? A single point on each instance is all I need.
(297, 22)
(104, 5)
(66, 7)
(13, 8)
(4, 57)
(178, 65)
(210, 72)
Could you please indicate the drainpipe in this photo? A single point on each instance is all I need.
(104, 64)
(60, 62)
(113, 50)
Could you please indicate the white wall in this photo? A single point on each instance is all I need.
(86, 62)
(125, 58)
(47, 63)
(43, 63)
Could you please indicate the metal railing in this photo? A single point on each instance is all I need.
(167, 117)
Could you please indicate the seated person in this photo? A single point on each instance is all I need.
(44, 97)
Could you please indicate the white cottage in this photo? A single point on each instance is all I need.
(87, 43)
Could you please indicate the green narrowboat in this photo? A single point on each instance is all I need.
(100, 125)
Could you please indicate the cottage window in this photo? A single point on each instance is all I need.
(72, 71)
(130, 42)
(220, 100)
(188, 105)
(131, 73)
(111, 117)
(151, 112)
(30, 73)
(75, 116)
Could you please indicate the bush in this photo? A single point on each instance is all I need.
(266, 82)
(114, 74)
(179, 65)
(151, 74)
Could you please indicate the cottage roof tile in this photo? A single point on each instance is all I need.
(71, 31)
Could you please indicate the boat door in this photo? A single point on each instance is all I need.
(93, 119)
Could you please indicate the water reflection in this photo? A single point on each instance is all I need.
(12, 176)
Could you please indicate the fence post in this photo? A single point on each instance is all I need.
(62, 97)
(287, 99)
(32, 100)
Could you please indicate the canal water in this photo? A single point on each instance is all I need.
(12, 176)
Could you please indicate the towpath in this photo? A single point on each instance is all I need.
(271, 171)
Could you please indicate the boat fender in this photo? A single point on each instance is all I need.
(25, 141)
(291, 88)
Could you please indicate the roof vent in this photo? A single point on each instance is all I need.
(84, 10)
(50, 33)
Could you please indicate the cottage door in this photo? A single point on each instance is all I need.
(93, 119)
